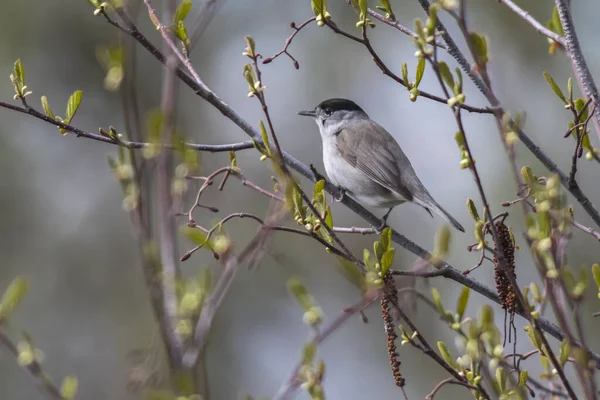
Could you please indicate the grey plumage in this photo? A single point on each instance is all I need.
(363, 158)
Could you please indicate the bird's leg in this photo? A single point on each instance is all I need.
(341, 196)
(384, 221)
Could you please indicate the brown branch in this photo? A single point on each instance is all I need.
(288, 42)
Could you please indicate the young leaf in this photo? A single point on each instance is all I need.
(437, 300)
(472, 209)
(12, 297)
(386, 238)
(265, 137)
(181, 33)
(318, 189)
(420, 71)
(523, 377)
(463, 300)
(19, 71)
(481, 48)
(446, 355)
(404, 72)
(557, 25)
(565, 351)
(555, 87)
(73, 105)
(386, 260)
(596, 273)
(182, 11)
(46, 108)
(446, 74)
(68, 389)
(501, 377)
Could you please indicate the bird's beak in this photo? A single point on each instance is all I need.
(311, 113)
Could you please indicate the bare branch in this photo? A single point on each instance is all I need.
(580, 67)
(533, 22)
(35, 370)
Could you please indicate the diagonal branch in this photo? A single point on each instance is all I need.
(580, 67)
(541, 29)
(450, 272)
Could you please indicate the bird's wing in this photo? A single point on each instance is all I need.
(380, 154)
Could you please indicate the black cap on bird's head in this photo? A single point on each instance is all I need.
(329, 106)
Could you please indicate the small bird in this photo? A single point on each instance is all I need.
(366, 162)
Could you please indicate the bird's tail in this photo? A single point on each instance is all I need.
(431, 204)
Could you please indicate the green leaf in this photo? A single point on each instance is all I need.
(182, 11)
(481, 48)
(378, 250)
(523, 378)
(367, 258)
(265, 137)
(565, 351)
(556, 22)
(46, 108)
(68, 389)
(446, 74)
(181, 33)
(13, 296)
(555, 87)
(420, 71)
(318, 188)
(570, 89)
(19, 71)
(501, 377)
(437, 300)
(405, 72)
(442, 241)
(472, 209)
(386, 260)
(73, 105)
(197, 236)
(386, 238)
(459, 82)
(446, 354)
(596, 273)
(463, 300)
(299, 293)
(387, 8)
(534, 336)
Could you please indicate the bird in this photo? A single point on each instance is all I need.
(365, 161)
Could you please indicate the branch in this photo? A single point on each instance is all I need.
(580, 67)
(292, 382)
(533, 22)
(213, 148)
(450, 272)
(499, 112)
(35, 370)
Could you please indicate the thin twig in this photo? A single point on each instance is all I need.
(292, 383)
(586, 229)
(580, 67)
(35, 370)
(213, 148)
(533, 22)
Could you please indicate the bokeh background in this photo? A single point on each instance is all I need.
(62, 224)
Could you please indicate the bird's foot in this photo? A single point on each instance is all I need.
(381, 227)
(341, 195)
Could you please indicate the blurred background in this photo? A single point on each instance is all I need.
(62, 224)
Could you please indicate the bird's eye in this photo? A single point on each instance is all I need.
(327, 111)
